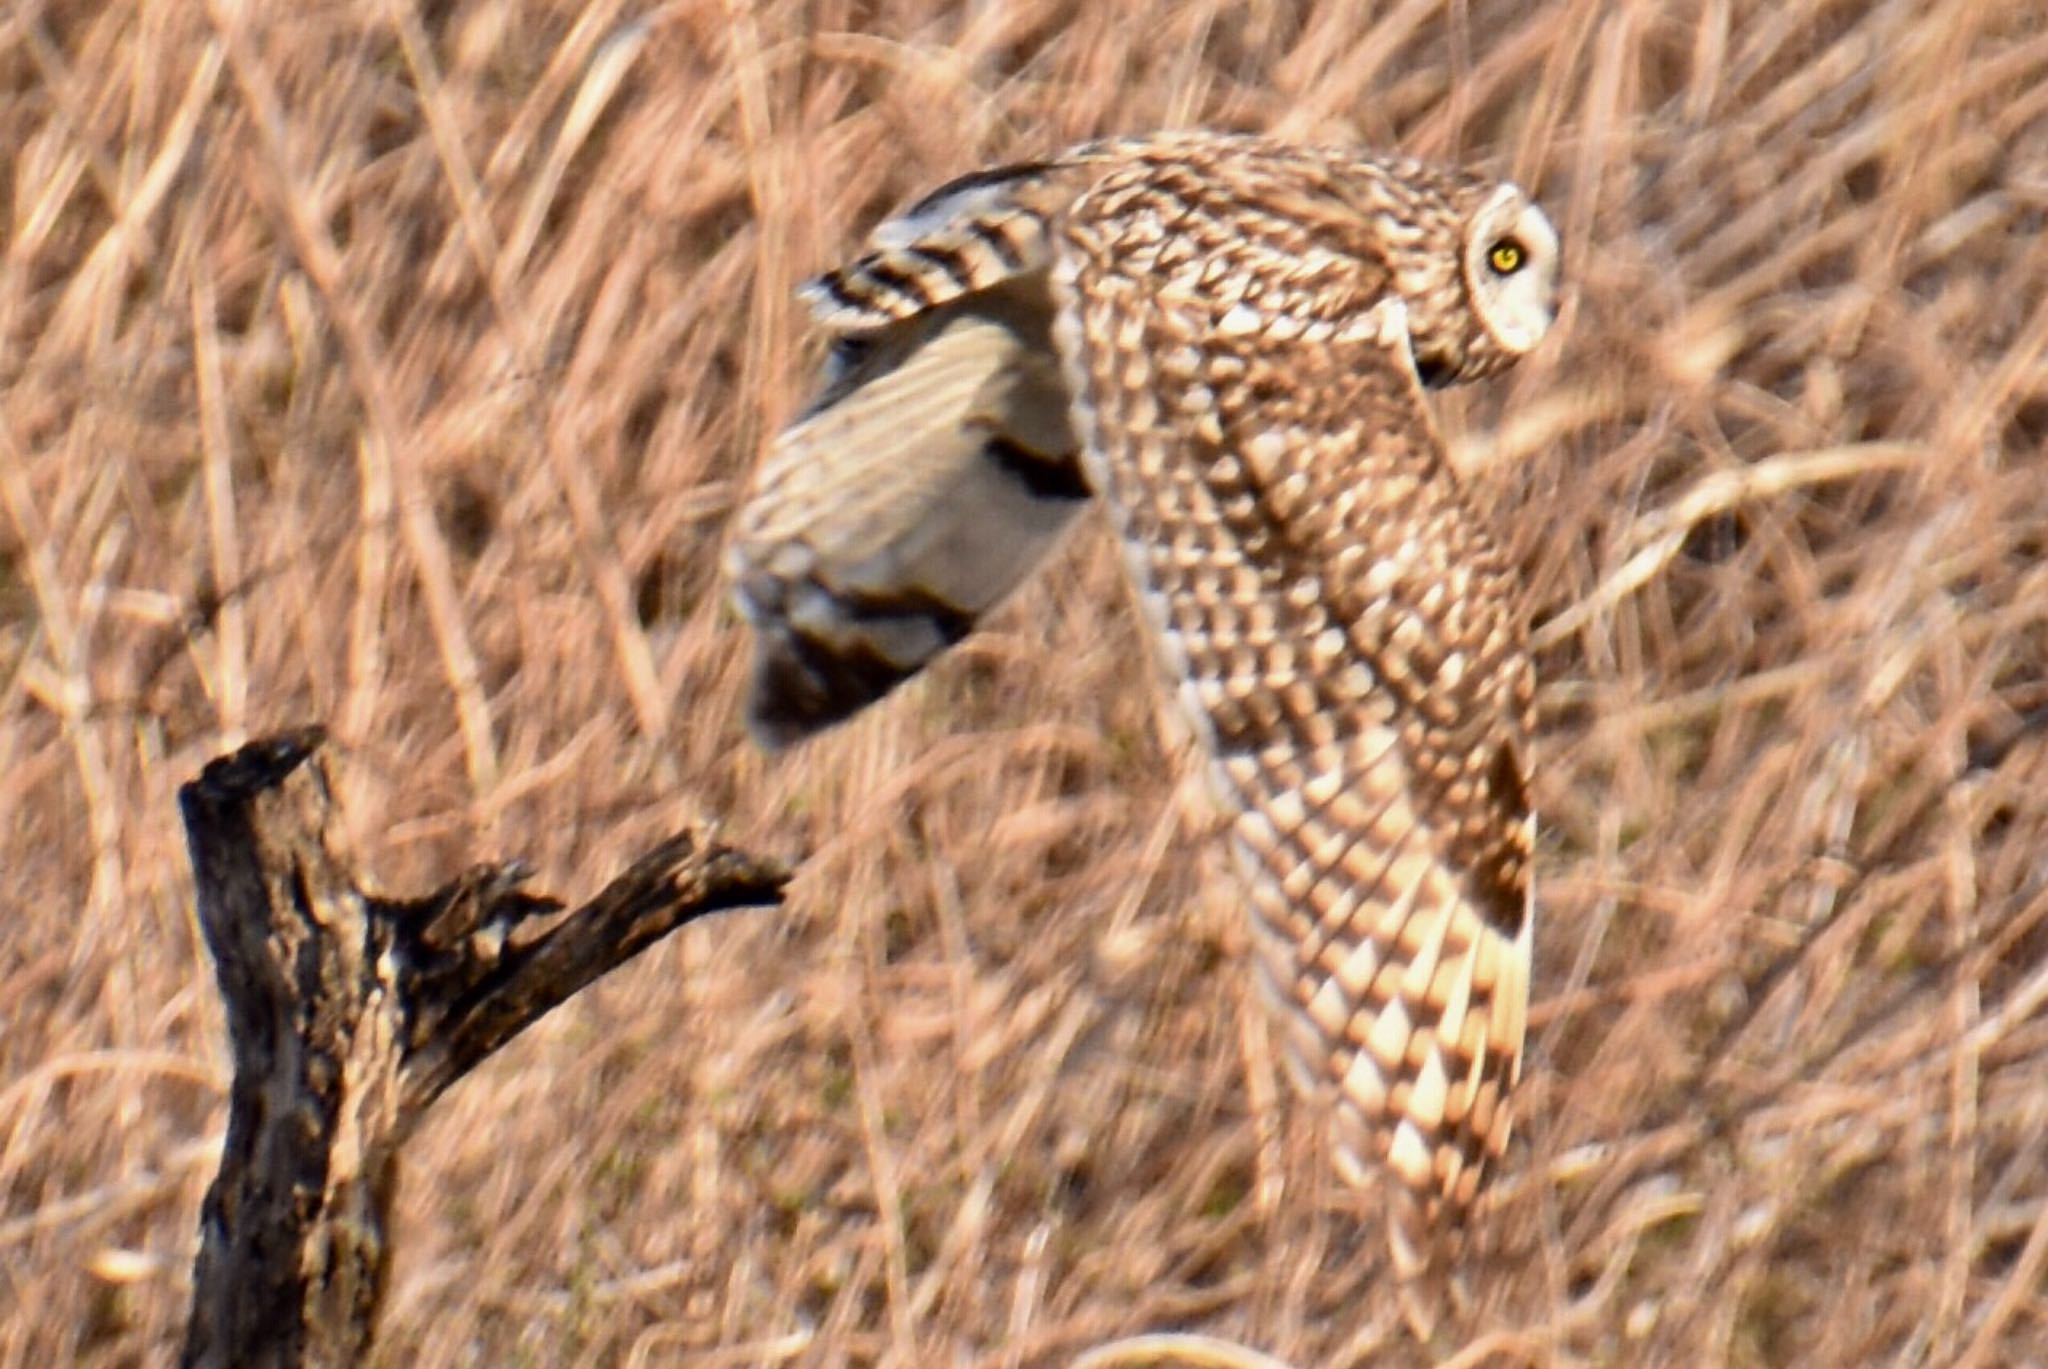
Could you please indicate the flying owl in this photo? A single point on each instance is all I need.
(1227, 341)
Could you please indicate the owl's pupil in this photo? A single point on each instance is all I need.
(1506, 257)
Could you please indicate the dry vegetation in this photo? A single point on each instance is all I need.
(396, 363)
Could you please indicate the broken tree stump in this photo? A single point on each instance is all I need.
(349, 1014)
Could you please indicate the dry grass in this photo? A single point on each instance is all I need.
(395, 364)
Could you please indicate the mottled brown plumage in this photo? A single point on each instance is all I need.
(1227, 340)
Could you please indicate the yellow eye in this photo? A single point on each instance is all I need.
(1506, 257)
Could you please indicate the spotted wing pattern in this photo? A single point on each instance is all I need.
(1224, 338)
(1340, 630)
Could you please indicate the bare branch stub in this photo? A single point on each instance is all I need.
(349, 1015)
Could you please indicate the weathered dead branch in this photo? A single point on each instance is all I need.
(349, 1014)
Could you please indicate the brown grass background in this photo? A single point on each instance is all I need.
(396, 364)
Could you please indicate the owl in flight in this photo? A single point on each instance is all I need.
(1228, 342)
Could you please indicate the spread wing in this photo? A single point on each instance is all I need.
(1340, 630)
(931, 474)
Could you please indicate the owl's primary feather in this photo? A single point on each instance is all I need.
(1227, 340)
(932, 473)
(929, 478)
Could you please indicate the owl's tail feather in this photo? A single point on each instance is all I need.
(932, 475)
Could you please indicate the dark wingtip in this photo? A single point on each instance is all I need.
(799, 690)
(771, 733)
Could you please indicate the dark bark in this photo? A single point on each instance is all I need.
(349, 1014)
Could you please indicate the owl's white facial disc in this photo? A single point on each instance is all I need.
(1511, 269)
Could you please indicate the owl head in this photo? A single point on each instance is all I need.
(1494, 301)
